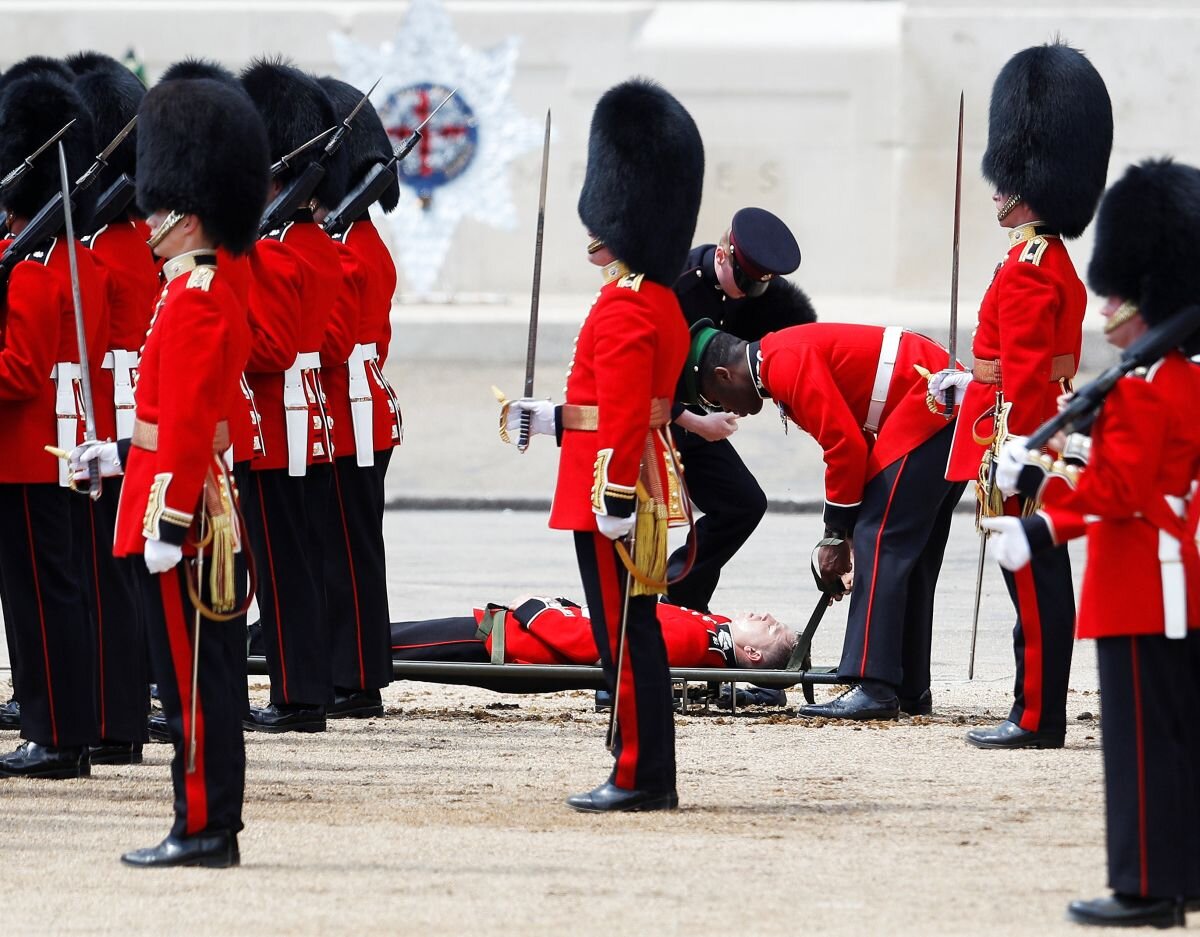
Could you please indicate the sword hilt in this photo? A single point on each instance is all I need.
(523, 437)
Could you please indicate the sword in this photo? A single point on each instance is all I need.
(531, 347)
(954, 263)
(983, 535)
(191, 756)
(85, 376)
(27, 163)
(610, 742)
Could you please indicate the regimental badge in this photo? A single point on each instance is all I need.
(448, 142)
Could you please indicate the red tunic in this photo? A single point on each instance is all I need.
(120, 249)
(1145, 444)
(1031, 314)
(550, 631)
(630, 350)
(823, 375)
(243, 422)
(377, 286)
(37, 330)
(189, 379)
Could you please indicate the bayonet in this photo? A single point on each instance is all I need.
(531, 346)
(27, 163)
(284, 161)
(415, 137)
(102, 157)
(949, 412)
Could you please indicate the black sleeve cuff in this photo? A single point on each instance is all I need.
(1037, 530)
(1030, 481)
(841, 517)
(172, 533)
(619, 505)
(123, 447)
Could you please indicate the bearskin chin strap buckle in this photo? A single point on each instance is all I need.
(158, 235)
(1007, 207)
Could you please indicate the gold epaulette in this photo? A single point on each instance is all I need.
(631, 281)
(1033, 250)
(201, 278)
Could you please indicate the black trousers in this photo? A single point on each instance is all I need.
(114, 614)
(1044, 597)
(52, 647)
(721, 486)
(280, 515)
(1150, 692)
(209, 798)
(356, 577)
(899, 541)
(645, 738)
(439, 639)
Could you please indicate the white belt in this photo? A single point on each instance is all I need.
(362, 408)
(370, 351)
(1174, 582)
(295, 411)
(122, 363)
(65, 375)
(883, 376)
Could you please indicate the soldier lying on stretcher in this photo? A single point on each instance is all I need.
(557, 631)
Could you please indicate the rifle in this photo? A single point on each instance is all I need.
(376, 181)
(299, 190)
(1081, 410)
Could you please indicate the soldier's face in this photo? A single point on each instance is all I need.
(725, 274)
(1123, 324)
(731, 390)
(761, 640)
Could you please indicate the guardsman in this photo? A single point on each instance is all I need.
(640, 197)
(1132, 488)
(45, 616)
(111, 93)
(202, 182)
(739, 285)
(287, 496)
(859, 390)
(1049, 138)
(366, 424)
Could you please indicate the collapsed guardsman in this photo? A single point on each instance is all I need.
(202, 181)
(1131, 488)
(640, 198)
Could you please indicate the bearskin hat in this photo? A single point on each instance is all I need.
(1148, 239)
(367, 143)
(111, 93)
(645, 171)
(295, 108)
(1050, 132)
(199, 68)
(202, 149)
(36, 65)
(32, 109)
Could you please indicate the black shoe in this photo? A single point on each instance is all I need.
(603, 701)
(1010, 735)
(355, 704)
(157, 728)
(1119, 910)
(210, 850)
(610, 798)
(285, 717)
(115, 753)
(917, 705)
(855, 703)
(32, 760)
(10, 715)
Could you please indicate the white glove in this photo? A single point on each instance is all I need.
(81, 458)
(1013, 458)
(710, 426)
(541, 417)
(1007, 543)
(161, 556)
(614, 528)
(948, 377)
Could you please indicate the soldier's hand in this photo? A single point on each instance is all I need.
(541, 417)
(1007, 542)
(947, 378)
(1014, 473)
(80, 460)
(834, 565)
(161, 557)
(614, 528)
(709, 426)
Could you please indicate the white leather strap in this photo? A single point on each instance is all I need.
(295, 414)
(883, 376)
(1174, 582)
(65, 375)
(362, 409)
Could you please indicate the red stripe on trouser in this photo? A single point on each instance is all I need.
(37, 590)
(180, 642)
(99, 619)
(875, 566)
(1031, 633)
(1143, 867)
(337, 486)
(262, 510)
(625, 772)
